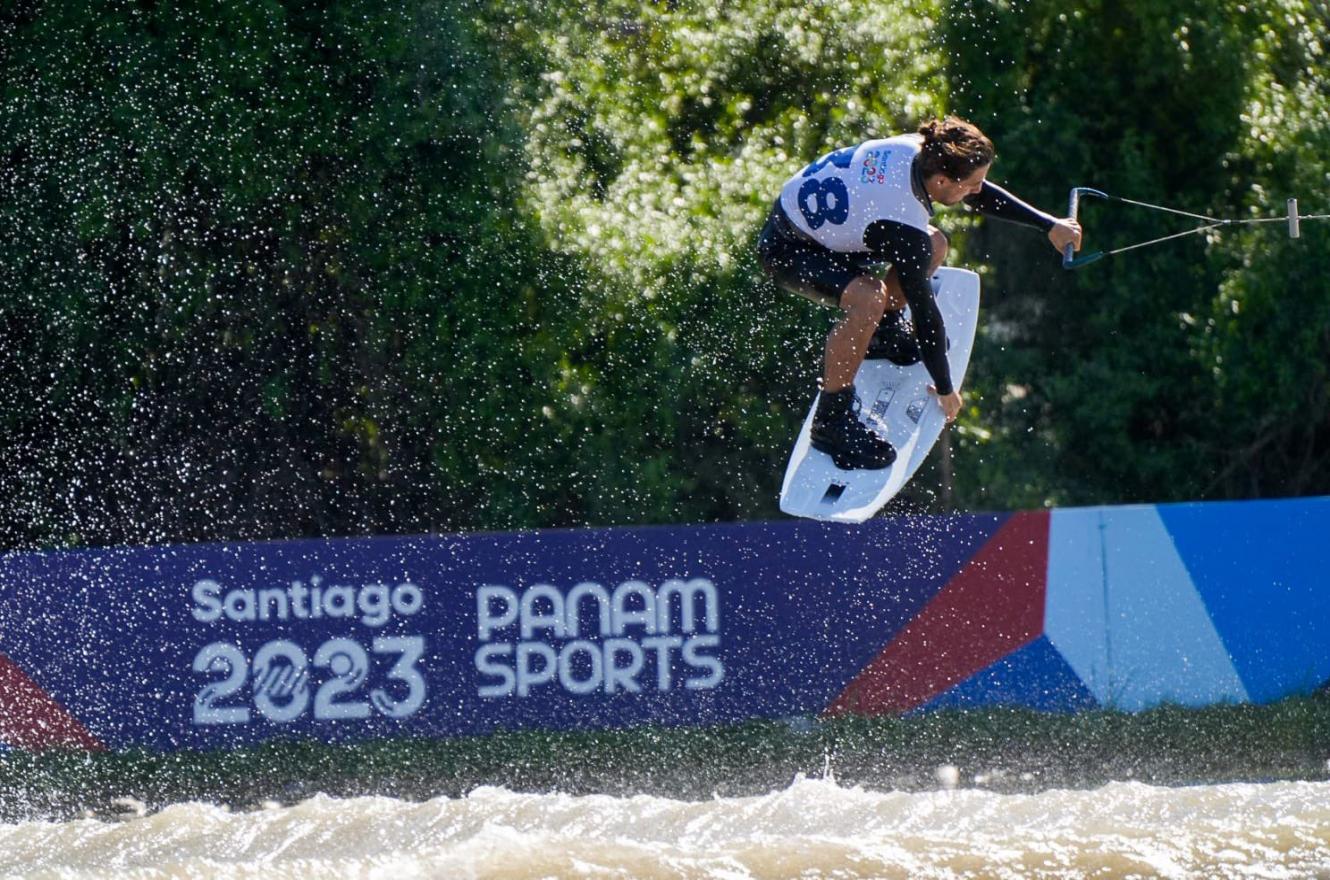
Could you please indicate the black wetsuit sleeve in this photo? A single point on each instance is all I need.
(910, 251)
(994, 201)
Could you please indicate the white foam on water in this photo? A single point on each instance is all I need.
(812, 829)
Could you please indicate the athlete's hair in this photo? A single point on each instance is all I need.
(953, 147)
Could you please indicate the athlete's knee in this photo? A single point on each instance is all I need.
(864, 295)
(940, 245)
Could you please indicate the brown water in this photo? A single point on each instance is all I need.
(812, 829)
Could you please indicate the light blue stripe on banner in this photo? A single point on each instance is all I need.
(1262, 569)
(1122, 609)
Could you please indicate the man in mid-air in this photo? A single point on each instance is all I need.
(870, 204)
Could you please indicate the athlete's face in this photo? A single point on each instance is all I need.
(946, 191)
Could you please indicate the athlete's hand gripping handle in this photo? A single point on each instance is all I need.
(1073, 206)
(1069, 258)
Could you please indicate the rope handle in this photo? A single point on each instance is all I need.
(1069, 261)
(1069, 258)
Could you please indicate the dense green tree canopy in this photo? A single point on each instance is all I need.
(277, 269)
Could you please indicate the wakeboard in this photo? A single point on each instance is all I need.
(898, 406)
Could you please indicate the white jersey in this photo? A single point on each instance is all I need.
(837, 198)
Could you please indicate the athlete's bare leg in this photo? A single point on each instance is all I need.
(862, 304)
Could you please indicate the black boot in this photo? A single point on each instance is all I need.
(838, 432)
(894, 340)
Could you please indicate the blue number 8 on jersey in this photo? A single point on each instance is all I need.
(824, 201)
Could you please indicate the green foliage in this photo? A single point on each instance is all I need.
(271, 279)
(1265, 337)
(277, 269)
(1105, 379)
(658, 136)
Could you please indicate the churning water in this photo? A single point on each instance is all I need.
(813, 828)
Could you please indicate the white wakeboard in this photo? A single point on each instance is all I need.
(898, 406)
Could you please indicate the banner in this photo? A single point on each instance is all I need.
(217, 645)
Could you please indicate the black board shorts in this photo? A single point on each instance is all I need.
(801, 265)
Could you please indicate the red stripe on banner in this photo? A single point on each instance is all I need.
(990, 608)
(31, 719)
